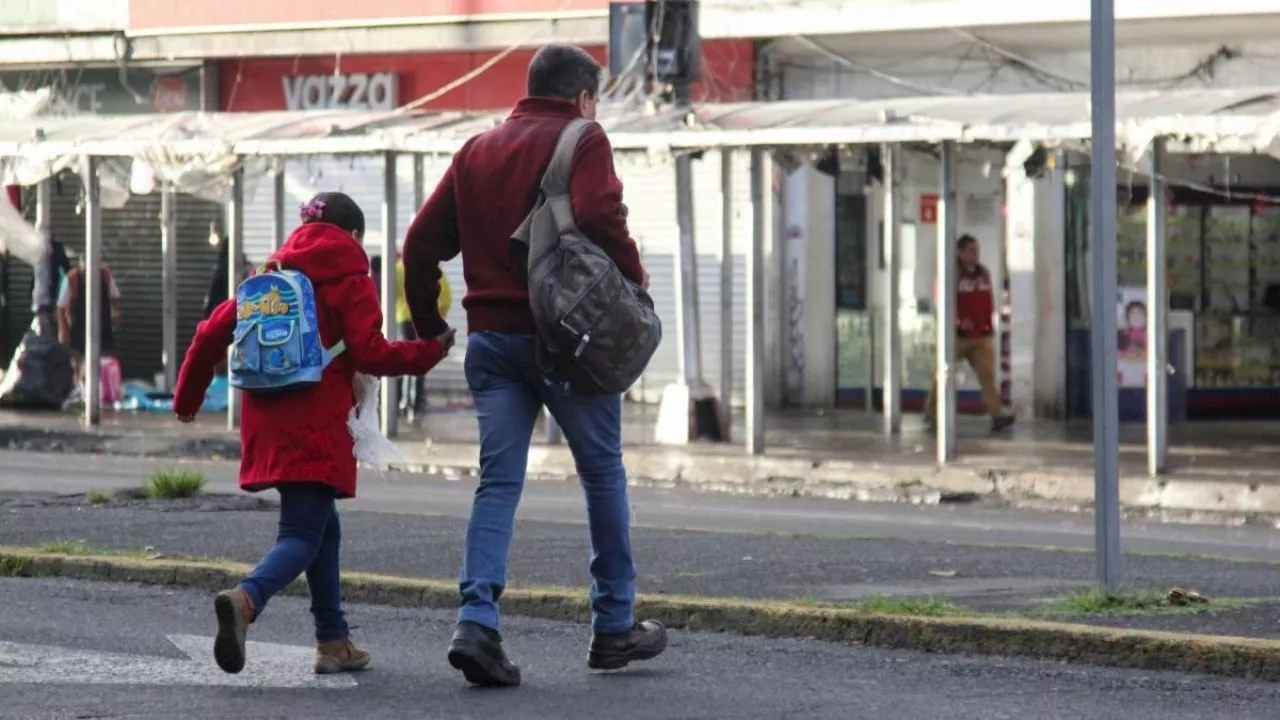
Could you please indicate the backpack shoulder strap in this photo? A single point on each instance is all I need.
(555, 181)
(554, 187)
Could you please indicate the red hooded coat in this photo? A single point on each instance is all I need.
(302, 436)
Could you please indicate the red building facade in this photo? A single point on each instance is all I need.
(459, 79)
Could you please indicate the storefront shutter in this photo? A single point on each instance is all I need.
(131, 247)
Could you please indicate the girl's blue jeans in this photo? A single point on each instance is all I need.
(307, 541)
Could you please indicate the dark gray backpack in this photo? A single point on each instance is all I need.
(597, 330)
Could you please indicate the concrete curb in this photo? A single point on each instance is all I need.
(707, 469)
(838, 479)
(1145, 650)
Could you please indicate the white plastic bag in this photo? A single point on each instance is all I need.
(371, 446)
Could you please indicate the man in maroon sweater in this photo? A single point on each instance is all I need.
(480, 202)
(975, 311)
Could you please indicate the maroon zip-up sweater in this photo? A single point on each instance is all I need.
(485, 194)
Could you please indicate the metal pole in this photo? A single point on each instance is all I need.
(235, 271)
(1102, 54)
(1157, 319)
(419, 182)
(390, 408)
(92, 293)
(688, 369)
(279, 231)
(44, 291)
(169, 282)
(44, 211)
(726, 279)
(761, 229)
(892, 337)
(945, 317)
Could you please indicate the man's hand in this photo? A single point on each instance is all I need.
(446, 339)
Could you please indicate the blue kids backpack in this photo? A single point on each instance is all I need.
(277, 344)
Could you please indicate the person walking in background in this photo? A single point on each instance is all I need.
(975, 329)
(479, 204)
(219, 284)
(71, 313)
(413, 389)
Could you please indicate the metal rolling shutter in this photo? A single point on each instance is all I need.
(361, 178)
(131, 246)
(20, 278)
(196, 261)
(649, 191)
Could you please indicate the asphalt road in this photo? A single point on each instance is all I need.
(669, 561)
(555, 501)
(701, 677)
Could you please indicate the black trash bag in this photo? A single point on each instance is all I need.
(39, 376)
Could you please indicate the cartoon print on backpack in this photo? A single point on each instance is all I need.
(277, 343)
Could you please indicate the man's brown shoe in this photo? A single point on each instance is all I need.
(235, 611)
(340, 656)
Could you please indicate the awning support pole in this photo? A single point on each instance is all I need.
(93, 291)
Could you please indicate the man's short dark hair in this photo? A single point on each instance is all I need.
(965, 241)
(563, 71)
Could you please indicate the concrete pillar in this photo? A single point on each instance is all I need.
(809, 292)
(761, 231)
(1036, 228)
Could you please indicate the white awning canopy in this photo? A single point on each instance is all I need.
(1222, 120)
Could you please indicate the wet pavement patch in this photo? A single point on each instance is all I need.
(136, 444)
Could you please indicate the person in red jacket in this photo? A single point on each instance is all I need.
(298, 442)
(975, 311)
(480, 202)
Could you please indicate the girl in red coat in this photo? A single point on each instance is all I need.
(298, 442)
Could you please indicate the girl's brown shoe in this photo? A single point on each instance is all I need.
(340, 656)
(235, 611)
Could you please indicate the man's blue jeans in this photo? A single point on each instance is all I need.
(307, 540)
(509, 392)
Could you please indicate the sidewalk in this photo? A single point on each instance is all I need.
(1214, 467)
(812, 570)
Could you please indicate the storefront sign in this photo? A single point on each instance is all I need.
(342, 91)
(452, 79)
(111, 91)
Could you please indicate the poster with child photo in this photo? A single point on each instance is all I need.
(1131, 336)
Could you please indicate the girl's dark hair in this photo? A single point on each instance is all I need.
(334, 208)
(1134, 305)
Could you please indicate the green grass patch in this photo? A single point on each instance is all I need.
(174, 483)
(99, 497)
(915, 606)
(12, 567)
(66, 547)
(80, 548)
(1097, 601)
(918, 606)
